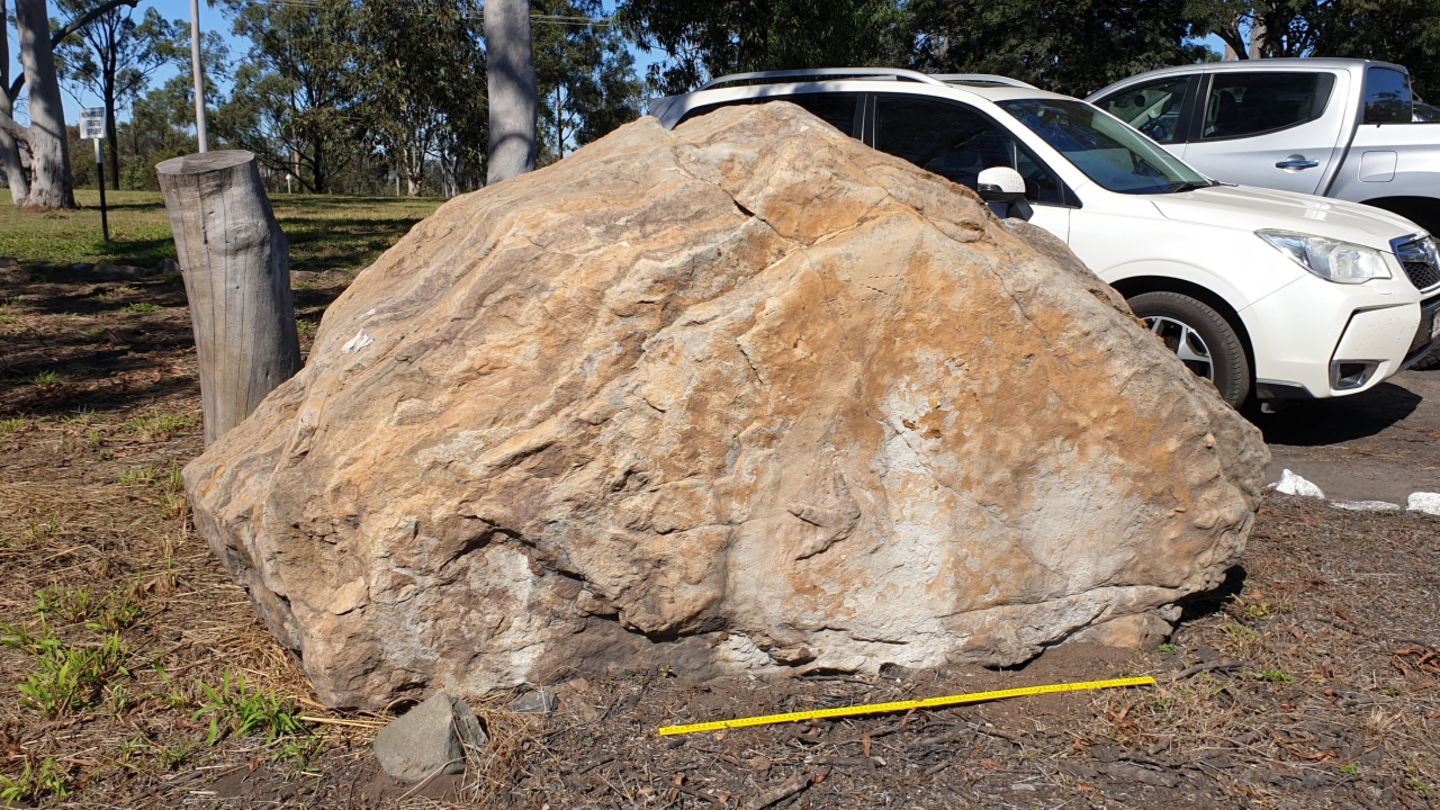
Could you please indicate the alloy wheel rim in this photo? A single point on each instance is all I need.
(1185, 342)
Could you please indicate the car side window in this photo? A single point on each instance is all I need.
(957, 142)
(1387, 96)
(836, 109)
(1153, 107)
(1243, 104)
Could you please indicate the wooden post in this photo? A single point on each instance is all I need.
(236, 266)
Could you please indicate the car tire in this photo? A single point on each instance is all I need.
(1429, 361)
(1205, 342)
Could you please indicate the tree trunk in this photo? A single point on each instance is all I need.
(236, 266)
(510, 64)
(10, 156)
(49, 148)
(15, 177)
(1259, 31)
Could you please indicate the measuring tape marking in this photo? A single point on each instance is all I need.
(904, 705)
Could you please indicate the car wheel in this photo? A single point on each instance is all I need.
(1202, 339)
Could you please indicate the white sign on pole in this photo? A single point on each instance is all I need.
(92, 122)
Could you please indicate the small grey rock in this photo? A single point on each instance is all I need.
(538, 702)
(429, 739)
(167, 266)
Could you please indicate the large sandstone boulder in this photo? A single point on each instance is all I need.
(747, 396)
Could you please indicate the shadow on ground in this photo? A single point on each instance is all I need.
(94, 339)
(1333, 421)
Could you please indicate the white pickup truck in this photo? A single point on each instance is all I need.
(1344, 128)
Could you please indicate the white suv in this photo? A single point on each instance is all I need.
(1266, 293)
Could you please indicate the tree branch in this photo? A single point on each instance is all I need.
(89, 17)
(68, 29)
(19, 133)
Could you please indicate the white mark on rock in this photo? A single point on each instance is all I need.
(1366, 506)
(355, 344)
(1427, 502)
(1292, 484)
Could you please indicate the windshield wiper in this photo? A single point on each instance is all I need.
(1189, 185)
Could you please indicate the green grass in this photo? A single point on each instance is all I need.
(234, 707)
(66, 676)
(35, 783)
(159, 426)
(324, 232)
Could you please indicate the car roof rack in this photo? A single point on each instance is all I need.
(893, 74)
(983, 80)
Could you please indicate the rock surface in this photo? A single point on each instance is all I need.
(430, 739)
(540, 701)
(746, 396)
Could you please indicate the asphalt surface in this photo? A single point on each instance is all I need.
(1383, 444)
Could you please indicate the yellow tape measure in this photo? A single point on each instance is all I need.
(904, 705)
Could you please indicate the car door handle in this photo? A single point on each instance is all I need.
(1297, 162)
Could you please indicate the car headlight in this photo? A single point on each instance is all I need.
(1330, 259)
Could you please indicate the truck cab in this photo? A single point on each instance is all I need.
(1342, 128)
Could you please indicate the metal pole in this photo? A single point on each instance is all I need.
(199, 75)
(100, 171)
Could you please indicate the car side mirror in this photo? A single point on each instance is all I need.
(1004, 189)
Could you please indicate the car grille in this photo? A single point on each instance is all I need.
(1429, 311)
(1421, 263)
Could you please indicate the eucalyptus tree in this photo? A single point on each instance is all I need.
(46, 182)
(161, 126)
(705, 38)
(422, 85)
(585, 73)
(1269, 28)
(295, 96)
(1402, 31)
(1072, 48)
(510, 79)
(114, 57)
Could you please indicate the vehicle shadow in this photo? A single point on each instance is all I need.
(1333, 421)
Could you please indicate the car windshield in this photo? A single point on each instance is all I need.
(1108, 152)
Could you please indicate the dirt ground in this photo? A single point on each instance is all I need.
(133, 674)
(1381, 445)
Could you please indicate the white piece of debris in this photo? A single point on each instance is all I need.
(1292, 484)
(355, 344)
(1427, 502)
(1366, 506)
